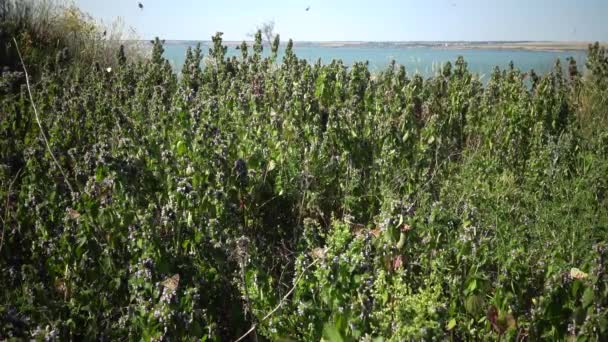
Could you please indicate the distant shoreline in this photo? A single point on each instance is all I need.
(463, 45)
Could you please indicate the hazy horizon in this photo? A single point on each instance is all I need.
(285, 39)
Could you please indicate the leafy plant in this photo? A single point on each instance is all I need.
(310, 201)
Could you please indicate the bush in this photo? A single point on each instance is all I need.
(314, 201)
(59, 33)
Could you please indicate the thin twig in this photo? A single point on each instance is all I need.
(265, 203)
(280, 303)
(283, 272)
(5, 220)
(48, 146)
(247, 300)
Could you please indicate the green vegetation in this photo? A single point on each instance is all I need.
(395, 207)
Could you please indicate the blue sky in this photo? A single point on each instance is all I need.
(377, 20)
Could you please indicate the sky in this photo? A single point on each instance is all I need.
(357, 20)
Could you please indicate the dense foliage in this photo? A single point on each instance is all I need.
(396, 207)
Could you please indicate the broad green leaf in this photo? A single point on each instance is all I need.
(451, 324)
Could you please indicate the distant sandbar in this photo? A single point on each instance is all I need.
(460, 45)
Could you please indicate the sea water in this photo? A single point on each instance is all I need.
(423, 60)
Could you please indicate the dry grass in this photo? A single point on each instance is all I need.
(593, 110)
(45, 26)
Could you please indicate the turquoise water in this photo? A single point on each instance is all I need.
(423, 60)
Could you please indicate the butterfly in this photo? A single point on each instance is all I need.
(500, 322)
(406, 227)
(62, 287)
(376, 232)
(575, 273)
(394, 263)
(358, 229)
(73, 214)
(171, 283)
(398, 262)
(319, 253)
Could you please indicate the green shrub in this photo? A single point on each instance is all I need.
(314, 201)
